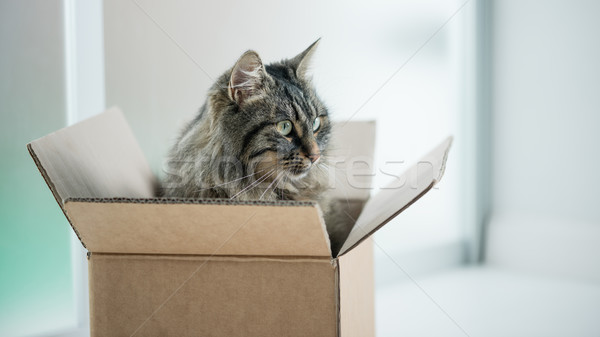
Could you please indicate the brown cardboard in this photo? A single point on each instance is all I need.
(357, 308)
(163, 227)
(211, 296)
(161, 266)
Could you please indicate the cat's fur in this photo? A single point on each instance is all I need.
(232, 149)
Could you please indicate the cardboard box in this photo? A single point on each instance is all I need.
(188, 267)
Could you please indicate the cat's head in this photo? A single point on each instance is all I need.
(272, 116)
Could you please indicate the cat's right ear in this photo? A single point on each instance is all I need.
(247, 77)
(300, 62)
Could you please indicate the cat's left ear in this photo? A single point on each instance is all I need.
(247, 77)
(301, 62)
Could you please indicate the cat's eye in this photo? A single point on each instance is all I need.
(284, 127)
(316, 124)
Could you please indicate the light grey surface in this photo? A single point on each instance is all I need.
(545, 245)
(487, 302)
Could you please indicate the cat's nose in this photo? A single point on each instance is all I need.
(315, 153)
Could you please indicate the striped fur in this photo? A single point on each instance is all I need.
(232, 149)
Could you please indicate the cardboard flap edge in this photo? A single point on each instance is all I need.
(191, 227)
(375, 216)
(52, 188)
(44, 174)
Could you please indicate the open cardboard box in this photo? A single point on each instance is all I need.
(188, 267)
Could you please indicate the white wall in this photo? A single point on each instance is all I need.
(546, 113)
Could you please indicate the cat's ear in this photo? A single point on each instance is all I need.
(301, 62)
(247, 77)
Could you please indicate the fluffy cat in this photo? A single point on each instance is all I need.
(262, 134)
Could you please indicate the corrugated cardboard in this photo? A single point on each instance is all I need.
(188, 267)
(165, 295)
(134, 227)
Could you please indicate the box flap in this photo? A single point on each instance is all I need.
(96, 158)
(199, 227)
(396, 197)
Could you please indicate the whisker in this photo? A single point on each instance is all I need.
(254, 184)
(238, 179)
(270, 175)
(271, 184)
(284, 179)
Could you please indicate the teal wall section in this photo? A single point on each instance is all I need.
(35, 270)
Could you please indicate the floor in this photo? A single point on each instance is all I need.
(484, 301)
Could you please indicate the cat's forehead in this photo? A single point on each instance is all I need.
(288, 95)
(288, 89)
(284, 78)
(292, 102)
(281, 71)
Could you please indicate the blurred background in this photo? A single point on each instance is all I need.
(507, 245)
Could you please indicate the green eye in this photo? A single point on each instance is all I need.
(284, 127)
(317, 124)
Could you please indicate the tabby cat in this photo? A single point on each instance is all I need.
(262, 134)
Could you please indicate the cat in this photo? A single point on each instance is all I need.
(262, 134)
